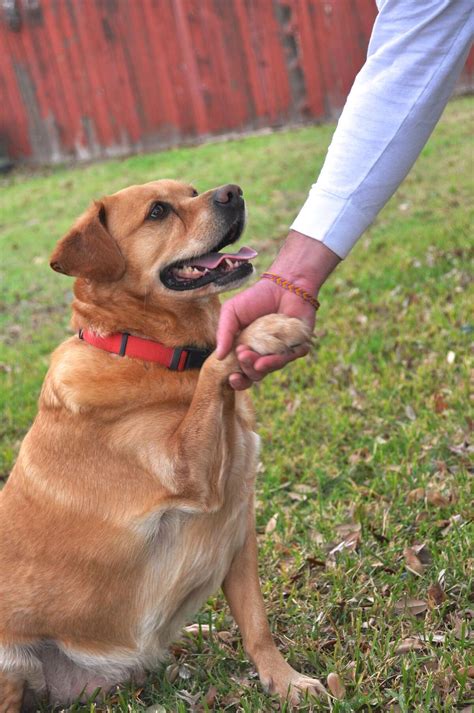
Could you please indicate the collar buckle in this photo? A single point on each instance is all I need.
(188, 358)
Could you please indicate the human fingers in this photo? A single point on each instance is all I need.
(243, 309)
(247, 359)
(266, 364)
(239, 382)
(229, 326)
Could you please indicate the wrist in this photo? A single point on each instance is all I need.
(297, 290)
(304, 261)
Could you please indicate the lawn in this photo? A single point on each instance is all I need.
(365, 483)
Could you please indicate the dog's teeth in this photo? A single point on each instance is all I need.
(188, 272)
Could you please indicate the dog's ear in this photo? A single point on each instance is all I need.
(88, 250)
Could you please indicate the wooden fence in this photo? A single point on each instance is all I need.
(82, 79)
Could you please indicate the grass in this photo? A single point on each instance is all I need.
(364, 443)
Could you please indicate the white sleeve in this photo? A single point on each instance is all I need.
(415, 55)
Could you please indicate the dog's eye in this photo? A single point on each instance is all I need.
(195, 193)
(158, 210)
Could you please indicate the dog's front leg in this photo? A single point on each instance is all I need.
(198, 450)
(242, 590)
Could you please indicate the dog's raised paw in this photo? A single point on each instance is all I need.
(276, 334)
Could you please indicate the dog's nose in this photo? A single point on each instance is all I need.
(229, 195)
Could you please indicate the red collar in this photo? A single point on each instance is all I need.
(123, 344)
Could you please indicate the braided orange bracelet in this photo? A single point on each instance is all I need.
(287, 285)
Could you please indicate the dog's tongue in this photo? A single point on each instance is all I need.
(212, 260)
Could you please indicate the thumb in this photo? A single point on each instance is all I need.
(229, 326)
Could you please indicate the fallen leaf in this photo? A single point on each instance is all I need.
(225, 636)
(349, 543)
(336, 686)
(440, 404)
(467, 670)
(361, 454)
(423, 553)
(211, 696)
(348, 528)
(416, 495)
(430, 665)
(412, 643)
(412, 606)
(271, 524)
(422, 516)
(185, 672)
(436, 595)
(171, 672)
(303, 488)
(297, 497)
(463, 449)
(327, 644)
(459, 626)
(230, 700)
(447, 525)
(434, 497)
(178, 650)
(352, 668)
(442, 577)
(410, 412)
(190, 698)
(434, 638)
(412, 562)
(450, 357)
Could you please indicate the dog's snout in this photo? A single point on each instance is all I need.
(230, 195)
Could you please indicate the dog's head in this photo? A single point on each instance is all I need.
(159, 237)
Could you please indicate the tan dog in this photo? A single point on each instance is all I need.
(132, 497)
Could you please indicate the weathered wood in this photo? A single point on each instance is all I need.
(83, 79)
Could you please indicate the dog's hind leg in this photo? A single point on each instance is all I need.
(242, 590)
(19, 668)
(11, 693)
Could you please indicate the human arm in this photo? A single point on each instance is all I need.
(416, 53)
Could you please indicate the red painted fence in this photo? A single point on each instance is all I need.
(92, 78)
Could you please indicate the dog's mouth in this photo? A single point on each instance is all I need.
(221, 268)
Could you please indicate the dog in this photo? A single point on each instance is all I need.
(131, 500)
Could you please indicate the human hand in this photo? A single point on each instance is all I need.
(303, 261)
(262, 298)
